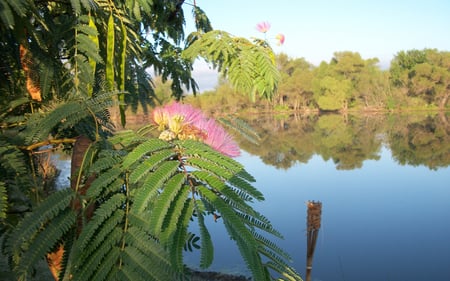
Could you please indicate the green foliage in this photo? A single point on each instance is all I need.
(3, 201)
(127, 213)
(69, 116)
(11, 7)
(16, 182)
(250, 66)
(424, 74)
(146, 192)
(40, 232)
(333, 94)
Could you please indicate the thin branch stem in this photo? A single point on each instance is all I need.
(47, 142)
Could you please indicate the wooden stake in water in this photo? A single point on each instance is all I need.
(314, 217)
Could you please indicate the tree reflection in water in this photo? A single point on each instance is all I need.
(414, 139)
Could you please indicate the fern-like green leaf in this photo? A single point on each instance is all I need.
(256, 220)
(238, 231)
(108, 264)
(87, 46)
(102, 181)
(46, 76)
(146, 267)
(150, 163)
(145, 148)
(129, 273)
(173, 215)
(210, 166)
(6, 12)
(245, 187)
(46, 239)
(45, 212)
(66, 115)
(165, 199)
(106, 159)
(152, 183)
(101, 214)
(110, 225)
(180, 235)
(125, 138)
(196, 149)
(288, 273)
(6, 15)
(85, 268)
(139, 237)
(271, 250)
(218, 186)
(249, 66)
(76, 6)
(248, 251)
(207, 249)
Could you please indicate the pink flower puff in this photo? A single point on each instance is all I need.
(280, 39)
(182, 121)
(263, 26)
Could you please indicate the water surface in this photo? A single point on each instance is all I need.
(385, 218)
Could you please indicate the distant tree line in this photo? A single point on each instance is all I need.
(416, 79)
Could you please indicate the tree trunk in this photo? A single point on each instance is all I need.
(444, 101)
(82, 144)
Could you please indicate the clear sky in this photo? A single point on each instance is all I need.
(315, 29)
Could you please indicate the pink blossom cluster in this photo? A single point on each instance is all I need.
(182, 121)
(264, 27)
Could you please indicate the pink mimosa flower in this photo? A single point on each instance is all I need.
(280, 39)
(219, 139)
(189, 113)
(182, 121)
(263, 26)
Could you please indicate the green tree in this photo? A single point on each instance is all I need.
(349, 81)
(333, 94)
(373, 89)
(431, 80)
(295, 88)
(423, 74)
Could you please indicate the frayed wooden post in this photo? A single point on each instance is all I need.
(314, 217)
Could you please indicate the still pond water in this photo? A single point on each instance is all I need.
(380, 221)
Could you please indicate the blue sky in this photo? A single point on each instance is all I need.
(315, 29)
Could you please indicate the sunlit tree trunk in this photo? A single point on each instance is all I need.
(444, 101)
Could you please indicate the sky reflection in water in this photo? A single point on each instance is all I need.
(380, 222)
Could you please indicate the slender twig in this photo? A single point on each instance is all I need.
(47, 142)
